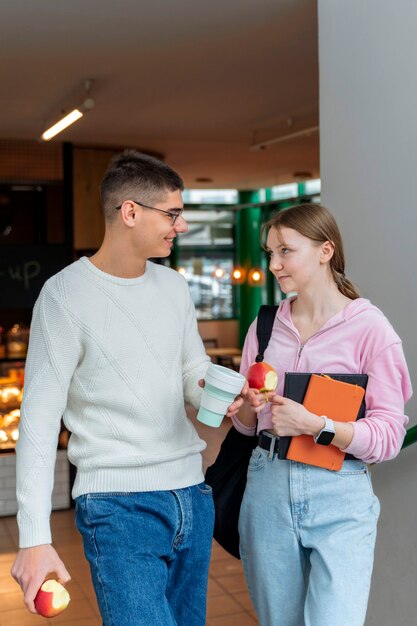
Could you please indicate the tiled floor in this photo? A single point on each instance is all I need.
(228, 600)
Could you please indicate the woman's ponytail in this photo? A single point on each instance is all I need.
(344, 285)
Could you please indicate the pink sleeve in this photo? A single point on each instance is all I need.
(249, 352)
(379, 436)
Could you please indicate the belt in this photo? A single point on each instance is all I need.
(269, 442)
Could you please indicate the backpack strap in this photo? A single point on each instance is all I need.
(266, 317)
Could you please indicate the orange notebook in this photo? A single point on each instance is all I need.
(340, 401)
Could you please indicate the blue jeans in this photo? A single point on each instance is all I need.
(307, 541)
(149, 554)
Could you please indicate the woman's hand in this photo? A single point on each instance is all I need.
(290, 418)
(252, 397)
(248, 395)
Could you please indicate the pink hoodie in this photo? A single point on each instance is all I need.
(359, 339)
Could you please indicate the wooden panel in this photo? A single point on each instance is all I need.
(30, 161)
(225, 331)
(89, 167)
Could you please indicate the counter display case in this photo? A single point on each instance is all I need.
(11, 391)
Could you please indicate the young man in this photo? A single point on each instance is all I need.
(114, 348)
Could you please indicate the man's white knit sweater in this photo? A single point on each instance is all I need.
(116, 358)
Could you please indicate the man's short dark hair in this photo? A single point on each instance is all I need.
(132, 175)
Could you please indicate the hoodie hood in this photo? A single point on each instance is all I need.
(351, 310)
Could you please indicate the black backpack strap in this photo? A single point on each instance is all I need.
(266, 317)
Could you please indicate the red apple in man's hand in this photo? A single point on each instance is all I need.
(262, 376)
(51, 599)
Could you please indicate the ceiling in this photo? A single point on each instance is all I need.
(198, 82)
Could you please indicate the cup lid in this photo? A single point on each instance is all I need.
(224, 378)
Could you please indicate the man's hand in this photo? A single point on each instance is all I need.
(245, 394)
(32, 566)
(250, 395)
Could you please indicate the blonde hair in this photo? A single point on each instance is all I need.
(318, 224)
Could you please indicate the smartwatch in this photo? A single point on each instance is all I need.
(325, 436)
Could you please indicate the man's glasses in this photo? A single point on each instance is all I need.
(172, 213)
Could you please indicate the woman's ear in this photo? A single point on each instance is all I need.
(327, 251)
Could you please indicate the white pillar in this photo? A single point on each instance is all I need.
(368, 134)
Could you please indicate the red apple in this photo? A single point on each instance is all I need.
(51, 599)
(262, 376)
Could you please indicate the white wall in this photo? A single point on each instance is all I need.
(368, 131)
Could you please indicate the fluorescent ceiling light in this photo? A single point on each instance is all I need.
(86, 105)
(63, 123)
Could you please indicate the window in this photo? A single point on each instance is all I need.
(205, 256)
(210, 196)
(312, 187)
(208, 275)
(207, 228)
(281, 192)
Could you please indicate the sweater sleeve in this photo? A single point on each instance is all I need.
(52, 357)
(195, 360)
(379, 435)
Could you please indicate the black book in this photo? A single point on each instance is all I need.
(295, 387)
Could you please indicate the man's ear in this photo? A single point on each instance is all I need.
(327, 251)
(128, 213)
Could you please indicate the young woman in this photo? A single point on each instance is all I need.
(307, 533)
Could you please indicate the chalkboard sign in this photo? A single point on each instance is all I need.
(24, 269)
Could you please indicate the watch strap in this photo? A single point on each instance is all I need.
(327, 433)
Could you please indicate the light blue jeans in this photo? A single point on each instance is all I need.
(307, 541)
(149, 554)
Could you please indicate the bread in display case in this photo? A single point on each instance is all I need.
(11, 390)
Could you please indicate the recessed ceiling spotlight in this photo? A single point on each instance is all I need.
(203, 179)
(300, 176)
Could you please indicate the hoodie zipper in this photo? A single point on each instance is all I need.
(302, 345)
